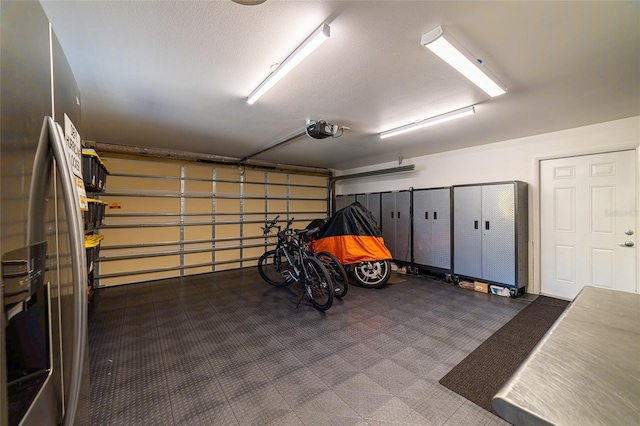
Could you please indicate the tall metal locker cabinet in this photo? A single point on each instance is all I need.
(374, 206)
(432, 229)
(344, 200)
(363, 199)
(491, 233)
(349, 199)
(396, 223)
(372, 203)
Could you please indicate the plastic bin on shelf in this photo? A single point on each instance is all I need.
(94, 171)
(94, 216)
(92, 247)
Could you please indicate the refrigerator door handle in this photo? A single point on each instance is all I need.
(36, 232)
(40, 180)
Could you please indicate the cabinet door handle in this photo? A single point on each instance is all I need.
(391, 215)
(475, 224)
(426, 215)
(435, 215)
(486, 225)
(398, 215)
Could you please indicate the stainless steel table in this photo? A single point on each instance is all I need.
(585, 370)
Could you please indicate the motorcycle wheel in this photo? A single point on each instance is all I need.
(372, 274)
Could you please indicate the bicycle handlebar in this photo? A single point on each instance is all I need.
(267, 227)
(270, 225)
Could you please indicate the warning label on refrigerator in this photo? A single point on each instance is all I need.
(74, 146)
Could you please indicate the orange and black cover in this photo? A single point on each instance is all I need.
(352, 236)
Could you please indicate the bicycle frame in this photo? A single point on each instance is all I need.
(286, 238)
(298, 265)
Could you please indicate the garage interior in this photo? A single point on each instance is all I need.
(182, 330)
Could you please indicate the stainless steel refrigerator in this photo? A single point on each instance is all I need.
(44, 367)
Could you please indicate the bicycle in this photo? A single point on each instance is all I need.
(339, 277)
(291, 262)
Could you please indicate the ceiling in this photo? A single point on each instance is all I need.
(176, 75)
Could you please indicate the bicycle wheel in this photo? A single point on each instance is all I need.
(339, 277)
(274, 269)
(317, 285)
(372, 274)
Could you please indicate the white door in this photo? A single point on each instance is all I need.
(587, 223)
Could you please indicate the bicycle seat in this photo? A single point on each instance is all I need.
(308, 232)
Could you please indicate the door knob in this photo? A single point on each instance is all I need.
(626, 244)
(628, 232)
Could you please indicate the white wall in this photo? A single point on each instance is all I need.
(516, 159)
(508, 160)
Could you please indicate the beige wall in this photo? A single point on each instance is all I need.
(167, 219)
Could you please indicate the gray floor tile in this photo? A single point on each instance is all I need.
(471, 414)
(396, 410)
(329, 419)
(227, 348)
(437, 411)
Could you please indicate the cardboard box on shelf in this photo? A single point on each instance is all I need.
(481, 287)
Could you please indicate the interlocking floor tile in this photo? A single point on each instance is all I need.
(395, 410)
(470, 413)
(329, 419)
(228, 349)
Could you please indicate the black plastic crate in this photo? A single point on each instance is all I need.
(94, 172)
(92, 247)
(94, 216)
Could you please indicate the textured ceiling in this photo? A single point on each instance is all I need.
(175, 75)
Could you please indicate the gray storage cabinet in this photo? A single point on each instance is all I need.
(344, 200)
(372, 203)
(374, 206)
(396, 223)
(490, 231)
(340, 202)
(432, 229)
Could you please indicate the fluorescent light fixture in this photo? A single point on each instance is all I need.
(301, 52)
(459, 113)
(435, 41)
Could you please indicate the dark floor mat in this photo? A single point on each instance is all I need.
(484, 371)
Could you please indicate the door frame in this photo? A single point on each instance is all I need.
(535, 254)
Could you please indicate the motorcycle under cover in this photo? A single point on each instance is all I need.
(352, 236)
